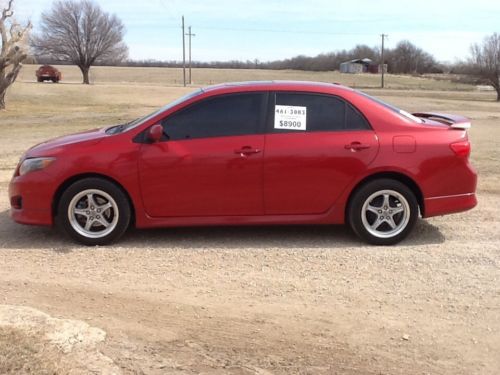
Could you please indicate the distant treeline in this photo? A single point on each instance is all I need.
(405, 58)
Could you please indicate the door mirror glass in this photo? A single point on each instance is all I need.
(155, 133)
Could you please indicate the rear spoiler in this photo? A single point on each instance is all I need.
(454, 121)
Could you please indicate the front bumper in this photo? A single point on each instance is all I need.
(31, 199)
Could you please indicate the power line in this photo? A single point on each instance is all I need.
(275, 31)
(285, 31)
(171, 12)
(288, 31)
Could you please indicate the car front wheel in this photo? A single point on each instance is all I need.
(94, 211)
(383, 212)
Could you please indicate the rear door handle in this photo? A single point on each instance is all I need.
(357, 146)
(247, 150)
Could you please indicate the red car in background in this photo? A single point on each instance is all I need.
(48, 73)
(252, 153)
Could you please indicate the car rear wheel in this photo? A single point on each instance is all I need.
(383, 212)
(94, 211)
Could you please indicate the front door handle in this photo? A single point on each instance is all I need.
(357, 146)
(247, 150)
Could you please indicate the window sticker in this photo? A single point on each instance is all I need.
(290, 117)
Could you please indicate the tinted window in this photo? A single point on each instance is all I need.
(391, 107)
(238, 114)
(323, 113)
(354, 119)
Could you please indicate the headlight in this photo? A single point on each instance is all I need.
(34, 164)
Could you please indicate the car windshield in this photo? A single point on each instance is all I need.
(392, 108)
(141, 120)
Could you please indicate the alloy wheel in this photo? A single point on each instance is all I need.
(93, 213)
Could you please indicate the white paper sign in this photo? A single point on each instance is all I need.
(290, 117)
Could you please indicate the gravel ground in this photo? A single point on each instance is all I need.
(276, 299)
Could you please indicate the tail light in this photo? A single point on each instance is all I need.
(461, 148)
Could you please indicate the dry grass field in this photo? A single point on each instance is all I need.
(173, 77)
(264, 300)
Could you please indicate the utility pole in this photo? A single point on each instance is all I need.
(382, 65)
(183, 52)
(189, 34)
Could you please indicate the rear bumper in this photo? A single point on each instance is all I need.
(449, 204)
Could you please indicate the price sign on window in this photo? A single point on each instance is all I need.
(290, 117)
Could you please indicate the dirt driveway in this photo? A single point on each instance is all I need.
(265, 300)
(283, 299)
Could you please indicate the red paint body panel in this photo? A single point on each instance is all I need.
(200, 178)
(300, 179)
(295, 178)
(449, 204)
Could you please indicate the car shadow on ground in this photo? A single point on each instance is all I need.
(60, 83)
(16, 236)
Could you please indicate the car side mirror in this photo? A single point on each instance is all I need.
(155, 133)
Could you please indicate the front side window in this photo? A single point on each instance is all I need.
(230, 115)
(315, 112)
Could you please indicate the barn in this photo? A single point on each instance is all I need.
(359, 66)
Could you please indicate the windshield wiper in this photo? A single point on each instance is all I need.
(120, 128)
(116, 129)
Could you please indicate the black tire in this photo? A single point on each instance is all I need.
(86, 201)
(379, 223)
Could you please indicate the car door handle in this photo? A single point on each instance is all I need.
(247, 150)
(357, 146)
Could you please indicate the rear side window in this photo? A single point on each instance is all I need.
(314, 112)
(230, 115)
(354, 119)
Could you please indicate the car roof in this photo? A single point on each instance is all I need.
(274, 85)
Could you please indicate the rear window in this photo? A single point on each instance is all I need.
(391, 107)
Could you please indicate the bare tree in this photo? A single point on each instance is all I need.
(13, 49)
(485, 62)
(80, 32)
(406, 58)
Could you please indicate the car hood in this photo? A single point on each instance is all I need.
(53, 146)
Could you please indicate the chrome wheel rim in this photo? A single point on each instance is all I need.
(93, 213)
(385, 214)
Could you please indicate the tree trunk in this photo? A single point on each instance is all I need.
(495, 82)
(85, 72)
(2, 99)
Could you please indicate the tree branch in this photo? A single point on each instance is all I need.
(7, 12)
(12, 53)
(80, 32)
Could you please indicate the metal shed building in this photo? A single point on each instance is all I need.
(358, 66)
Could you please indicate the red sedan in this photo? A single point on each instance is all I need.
(48, 73)
(252, 153)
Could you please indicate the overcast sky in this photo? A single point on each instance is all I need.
(277, 29)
